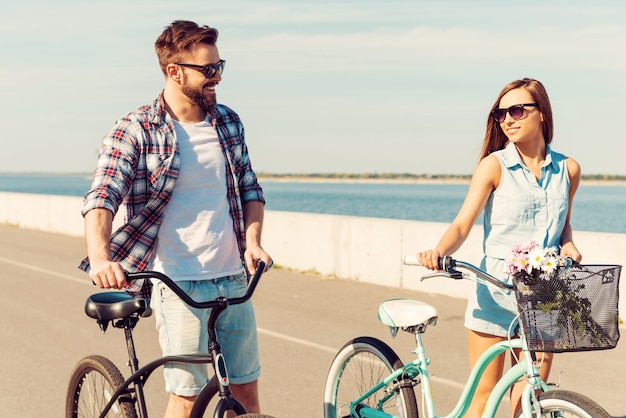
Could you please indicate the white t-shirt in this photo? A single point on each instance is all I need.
(196, 240)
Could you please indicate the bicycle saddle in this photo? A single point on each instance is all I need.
(107, 306)
(406, 313)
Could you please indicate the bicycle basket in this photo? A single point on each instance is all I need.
(575, 309)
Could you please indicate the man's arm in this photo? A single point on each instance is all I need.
(104, 272)
(253, 224)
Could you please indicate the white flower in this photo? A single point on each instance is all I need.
(524, 289)
(535, 258)
(550, 252)
(548, 265)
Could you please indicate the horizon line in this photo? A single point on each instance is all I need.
(338, 175)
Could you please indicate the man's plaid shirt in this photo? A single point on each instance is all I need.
(138, 165)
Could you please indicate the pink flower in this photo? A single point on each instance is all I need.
(529, 258)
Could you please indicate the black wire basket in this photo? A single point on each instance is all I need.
(573, 309)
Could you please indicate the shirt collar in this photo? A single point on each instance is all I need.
(512, 157)
(159, 111)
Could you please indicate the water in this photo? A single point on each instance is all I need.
(64, 185)
(598, 208)
(423, 202)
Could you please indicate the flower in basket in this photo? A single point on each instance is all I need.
(529, 262)
(542, 274)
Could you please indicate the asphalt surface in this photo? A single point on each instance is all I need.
(303, 320)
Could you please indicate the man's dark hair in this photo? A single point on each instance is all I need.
(178, 39)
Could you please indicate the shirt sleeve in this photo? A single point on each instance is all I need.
(113, 174)
(249, 185)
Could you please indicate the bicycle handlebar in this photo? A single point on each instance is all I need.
(194, 303)
(448, 267)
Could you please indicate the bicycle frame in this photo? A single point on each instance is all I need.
(522, 368)
(140, 376)
(134, 384)
(419, 368)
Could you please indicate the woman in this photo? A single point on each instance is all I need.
(526, 190)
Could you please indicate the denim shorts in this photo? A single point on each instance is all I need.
(490, 310)
(183, 330)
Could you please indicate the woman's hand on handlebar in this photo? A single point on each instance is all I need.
(429, 259)
(570, 250)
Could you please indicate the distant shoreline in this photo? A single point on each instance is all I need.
(385, 178)
(316, 179)
(416, 180)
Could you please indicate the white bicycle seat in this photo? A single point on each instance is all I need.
(399, 313)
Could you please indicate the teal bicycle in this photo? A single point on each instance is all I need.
(368, 379)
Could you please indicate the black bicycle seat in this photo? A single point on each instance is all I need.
(108, 306)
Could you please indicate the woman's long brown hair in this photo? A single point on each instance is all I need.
(495, 139)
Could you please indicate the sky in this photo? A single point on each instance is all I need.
(344, 86)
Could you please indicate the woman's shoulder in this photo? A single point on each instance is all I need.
(491, 162)
(489, 171)
(573, 167)
(558, 156)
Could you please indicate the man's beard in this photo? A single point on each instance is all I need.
(197, 96)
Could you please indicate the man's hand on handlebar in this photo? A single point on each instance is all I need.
(252, 257)
(107, 275)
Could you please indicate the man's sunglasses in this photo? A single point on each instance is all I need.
(209, 70)
(516, 112)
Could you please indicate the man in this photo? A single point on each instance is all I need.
(194, 211)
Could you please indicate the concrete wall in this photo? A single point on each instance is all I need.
(57, 214)
(368, 250)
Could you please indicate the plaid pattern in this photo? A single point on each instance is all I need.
(138, 165)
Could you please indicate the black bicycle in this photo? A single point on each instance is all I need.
(97, 387)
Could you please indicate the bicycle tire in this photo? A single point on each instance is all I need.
(206, 395)
(93, 381)
(358, 366)
(568, 405)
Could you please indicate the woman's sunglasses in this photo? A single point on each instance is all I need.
(516, 112)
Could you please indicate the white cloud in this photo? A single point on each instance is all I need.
(549, 47)
(416, 73)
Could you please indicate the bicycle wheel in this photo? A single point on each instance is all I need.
(358, 367)
(93, 382)
(566, 404)
(202, 401)
(201, 406)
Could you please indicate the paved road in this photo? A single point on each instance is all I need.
(303, 320)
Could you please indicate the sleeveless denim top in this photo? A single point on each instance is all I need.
(519, 210)
(522, 208)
